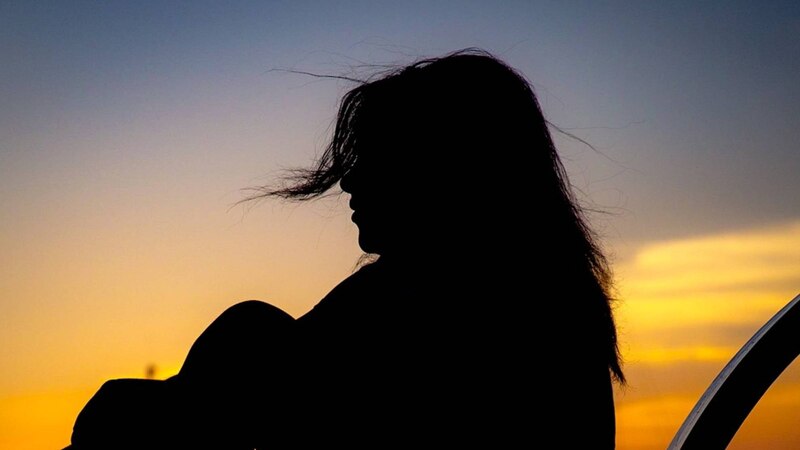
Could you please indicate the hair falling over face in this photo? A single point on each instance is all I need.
(449, 162)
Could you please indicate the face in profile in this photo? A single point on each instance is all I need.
(377, 203)
(396, 205)
(431, 154)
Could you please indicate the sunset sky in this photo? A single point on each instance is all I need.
(128, 130)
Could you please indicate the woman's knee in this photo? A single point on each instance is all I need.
(253, 314)
(244, 335)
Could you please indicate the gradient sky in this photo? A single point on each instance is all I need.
(128, 129)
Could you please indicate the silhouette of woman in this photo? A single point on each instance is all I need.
(485, 319)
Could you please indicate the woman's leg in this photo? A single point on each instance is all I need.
(243, 340)
(233, 385)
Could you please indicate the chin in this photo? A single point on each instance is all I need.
(369, 245)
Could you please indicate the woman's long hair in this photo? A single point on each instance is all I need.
(473, 124)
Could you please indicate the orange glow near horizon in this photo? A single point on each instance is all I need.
(686, 307)
(40, 420)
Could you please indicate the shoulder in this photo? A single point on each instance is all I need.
(352, 294)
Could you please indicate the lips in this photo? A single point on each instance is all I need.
(360, 211)
(355, 205)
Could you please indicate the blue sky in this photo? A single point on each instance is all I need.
(694, 106)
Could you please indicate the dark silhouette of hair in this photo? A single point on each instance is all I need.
(467, 129)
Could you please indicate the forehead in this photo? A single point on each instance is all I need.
(379, 129)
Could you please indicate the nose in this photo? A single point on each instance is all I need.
(347, 183)
(344, 183)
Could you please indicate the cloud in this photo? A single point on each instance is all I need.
(687, 306)
(707, 286)
(762, 259)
